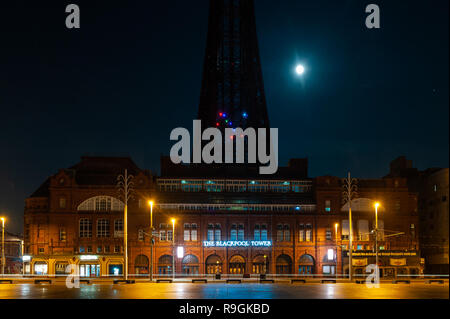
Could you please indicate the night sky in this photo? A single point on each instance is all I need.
(132, 73)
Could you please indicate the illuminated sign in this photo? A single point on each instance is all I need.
(88, 257)
(180, 252)
(26, 258)
(239, 243)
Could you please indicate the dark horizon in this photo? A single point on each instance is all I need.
(132, 73)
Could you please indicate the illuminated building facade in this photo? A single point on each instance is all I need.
(224, 223)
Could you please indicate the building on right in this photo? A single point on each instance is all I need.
(431, 185)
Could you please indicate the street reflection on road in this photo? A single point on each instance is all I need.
(224, 291)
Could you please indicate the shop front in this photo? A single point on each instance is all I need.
(40, 268)
(392, 264)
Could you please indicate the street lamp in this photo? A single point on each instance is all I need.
(350, 192)
(150, 202)
(3, 245)
(336, 234)
(173, 248)
(377, 204)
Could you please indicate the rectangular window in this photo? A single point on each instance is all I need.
(328, 206)
(217, 235)
(62, 234)
(106, 248)
(169, 235)
(141, 234)
(363, 230)
(328, 234)
(118, 228)
(264, 234)
(210, 236)
(85, 228)
(62, 202)
(116, 249)
(240, 234)
(162, 235)
(233, 235)
(187, 235)
(99, 249)
(102, 228)
(257, 235)
(187, 232)
(301, 235)
(193, 232)
(81, 249)
(308, 235)
(287, 235)
(326, 270)
(89, 249)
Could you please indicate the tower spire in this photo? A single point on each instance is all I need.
(232, 93)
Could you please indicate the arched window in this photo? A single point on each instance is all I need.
(194, 232)
(217, 232)
(141, 264)
(309, 235)
(213, 265)
(257, 232)
(264, 232)
(279, 232)
(233, 232)
(241, 232)
(306, 265)
(210, 235)
(187, 232)
(287, 233)
(284, 264)
(165, 264)
(101, 204)
(237, 265)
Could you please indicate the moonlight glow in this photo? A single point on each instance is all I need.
(300, 69)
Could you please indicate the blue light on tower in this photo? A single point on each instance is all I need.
(245, 115)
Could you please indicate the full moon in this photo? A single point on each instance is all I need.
(300, 69)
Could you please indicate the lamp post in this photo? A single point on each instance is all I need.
(125, 186)
(336, 233)
(151, 239)
(3, 245)
(350, 189)
(173, 248)
(376, 239)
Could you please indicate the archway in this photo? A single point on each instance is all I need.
(213, 265)
(306, 265)
(165, 265)
(190, 265)
(260, 264)
(236, 265)
(141, 264)
(284, 265)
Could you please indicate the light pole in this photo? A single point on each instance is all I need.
(125, 186)
(151, 239)
(349, 193)
(3, 245)
(336, 233)
(173, 248)
(376, 238)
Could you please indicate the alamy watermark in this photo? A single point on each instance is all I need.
(235, 138)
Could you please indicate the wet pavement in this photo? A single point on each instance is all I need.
(224, 291)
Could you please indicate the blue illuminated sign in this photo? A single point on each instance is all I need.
(241, 243)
